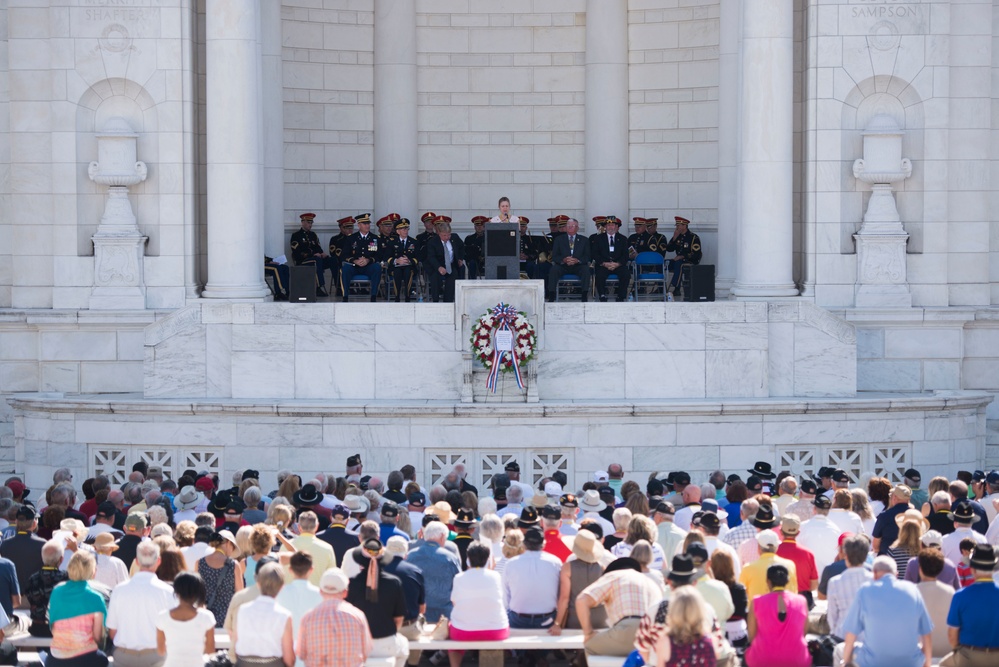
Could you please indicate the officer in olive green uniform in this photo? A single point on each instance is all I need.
(402, 259)
(340, 247)
(687, 246)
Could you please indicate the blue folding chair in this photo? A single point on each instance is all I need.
(649, 277)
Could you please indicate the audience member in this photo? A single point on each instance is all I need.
(186, 633)
(135, 611)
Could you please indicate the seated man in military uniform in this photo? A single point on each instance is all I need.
(657, 242)
(402, 261)
(687, 248)
(363, 259)
(528, 250)
(639, 241)
(340, 248)
(280, 274)
(475, 248)
(306, 250)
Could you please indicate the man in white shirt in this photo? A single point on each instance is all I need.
(820, 535)
(135, 605)
(843, 587)
(962, 516)
(841, 514)
(691, 504)
(530, 584)
(299, 596)
(103, 522)
(670, 537)
(514, 502)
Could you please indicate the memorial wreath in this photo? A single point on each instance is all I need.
(503, 340)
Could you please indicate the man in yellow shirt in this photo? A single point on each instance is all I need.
(323, 556)
(754, 575)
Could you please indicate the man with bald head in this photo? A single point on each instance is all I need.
(570, 256)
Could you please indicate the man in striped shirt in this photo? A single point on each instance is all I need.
(334, 634)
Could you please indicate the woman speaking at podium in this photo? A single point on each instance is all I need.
(504, 212)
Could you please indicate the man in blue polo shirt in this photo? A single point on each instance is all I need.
(893, 619)
(972, 623)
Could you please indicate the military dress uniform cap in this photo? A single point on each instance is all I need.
(428, 216)
(599, 219)
(349, 220)
(480, 220)
(652, 221)
(442, 218)
(402, 223)
(563, 221)
(551, 220)
(612, 220)
(363, 217)
(680, 220)
(308, 216)
(639, 221)
(524, 220)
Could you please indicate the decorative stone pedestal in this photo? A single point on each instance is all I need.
(118, 271)
(118, 244)
(881, 241)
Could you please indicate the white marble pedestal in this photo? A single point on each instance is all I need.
(118, 276)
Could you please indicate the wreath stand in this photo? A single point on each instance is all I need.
(473, 299)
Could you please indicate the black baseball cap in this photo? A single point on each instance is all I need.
(551, 512)
(106, 510)
(389, 509)
(809, 486)
(417, 499)
(26, 512)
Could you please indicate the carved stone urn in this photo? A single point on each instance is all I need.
(118, 244)
(881, 241)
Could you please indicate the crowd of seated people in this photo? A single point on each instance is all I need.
(333, 569)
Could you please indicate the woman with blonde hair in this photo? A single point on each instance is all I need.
(513, 546)
(76, 616)
(907, 545)
(686, 642)
(863, 509)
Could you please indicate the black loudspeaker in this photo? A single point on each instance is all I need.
(303, 284)
(698, 282)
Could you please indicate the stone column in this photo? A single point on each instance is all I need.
(234, 109)
(395, 107)
(728, 145)
(765, 159)
(273, 116)
(606, 151)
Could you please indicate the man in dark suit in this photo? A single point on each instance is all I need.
(610, 254)
(570, 254)
(445, 260)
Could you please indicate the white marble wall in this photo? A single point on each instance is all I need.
(501, 101)
(588, 351)
(936, 433)
(68, 67)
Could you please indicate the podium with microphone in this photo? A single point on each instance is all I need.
(502, 251)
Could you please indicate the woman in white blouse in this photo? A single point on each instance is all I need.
(263, 636)
(477, 595)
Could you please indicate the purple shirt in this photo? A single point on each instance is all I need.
(947, 576)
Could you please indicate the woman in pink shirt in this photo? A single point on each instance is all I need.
(776, 625)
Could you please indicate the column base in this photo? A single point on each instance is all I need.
(749, 292)
(237, 292)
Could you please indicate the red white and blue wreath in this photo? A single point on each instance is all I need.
(501, 324)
